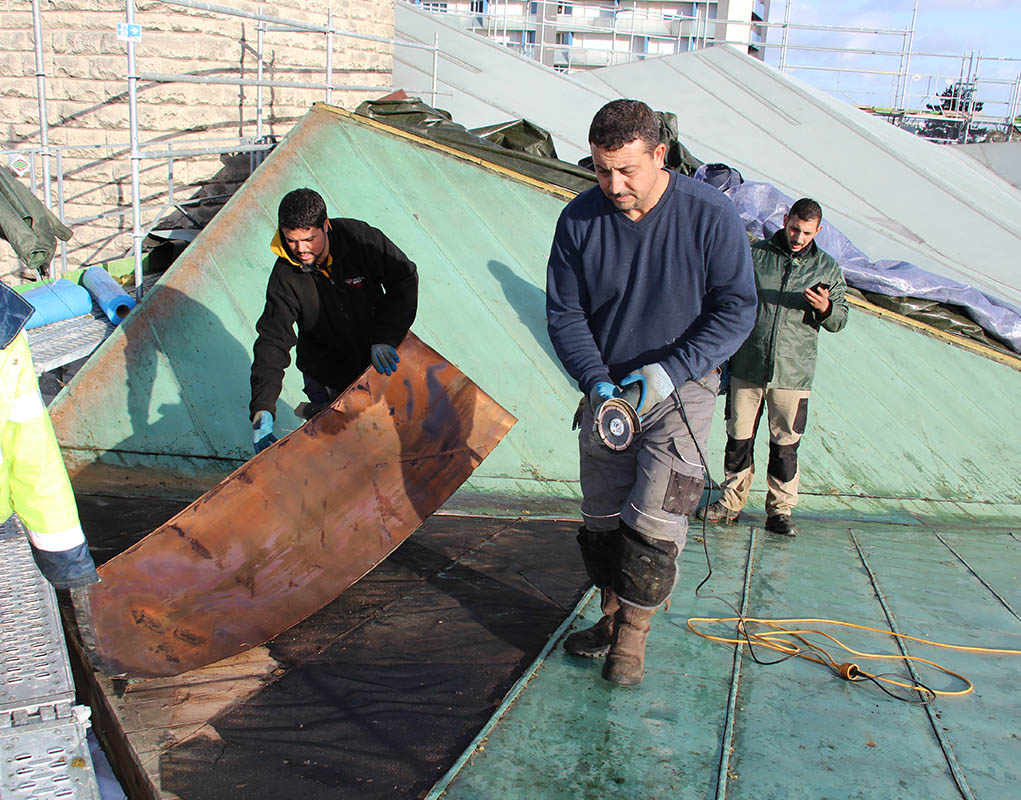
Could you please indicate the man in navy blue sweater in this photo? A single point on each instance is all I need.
(649, 280)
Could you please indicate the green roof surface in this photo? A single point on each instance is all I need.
(708, 723)
(909, 515)
(897, 417)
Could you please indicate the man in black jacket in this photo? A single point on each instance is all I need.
(351, 293)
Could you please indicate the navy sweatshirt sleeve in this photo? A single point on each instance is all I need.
(567, 321)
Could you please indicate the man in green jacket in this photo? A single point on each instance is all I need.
(800, 290)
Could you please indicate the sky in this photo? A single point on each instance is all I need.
(952, 27)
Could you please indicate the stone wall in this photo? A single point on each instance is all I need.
(86, 69)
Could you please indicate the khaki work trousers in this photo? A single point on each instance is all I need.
(787, 414)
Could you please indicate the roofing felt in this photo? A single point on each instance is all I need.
(895, 195)
(900, 422)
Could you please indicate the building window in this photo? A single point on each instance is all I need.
(479, 6)
(640, 45)
(565, 38)
(533, 8)
(565, 8)
(434, 6)
(529, 37)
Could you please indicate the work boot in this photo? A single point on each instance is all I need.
(595, 642)
(625, 663)
(717, 512)
(781, 523)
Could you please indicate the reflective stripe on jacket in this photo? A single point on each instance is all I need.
(780, 352)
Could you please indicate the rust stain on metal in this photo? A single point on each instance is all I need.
(294, 527)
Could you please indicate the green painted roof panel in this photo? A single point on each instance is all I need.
(703, 724)
(896, 416)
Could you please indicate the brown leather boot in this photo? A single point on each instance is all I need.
(595, 642)
(625, 663)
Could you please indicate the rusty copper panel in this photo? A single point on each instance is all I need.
(295, 526)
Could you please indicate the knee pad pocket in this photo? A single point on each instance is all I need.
(737, 456)
(783, 461)
(646, 568)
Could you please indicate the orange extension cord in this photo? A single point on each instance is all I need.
(777, 639)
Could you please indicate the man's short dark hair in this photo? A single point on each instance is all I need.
(806, 209)
(302, 208)
(620, 122)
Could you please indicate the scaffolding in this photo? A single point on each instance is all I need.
(912, 101)
(640, 30)
(42, 162)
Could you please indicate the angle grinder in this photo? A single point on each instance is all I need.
(617, 422)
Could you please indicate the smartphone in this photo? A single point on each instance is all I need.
(821, 285)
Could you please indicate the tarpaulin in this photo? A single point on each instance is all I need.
(413, 115)
(762, 207)
(28, 225)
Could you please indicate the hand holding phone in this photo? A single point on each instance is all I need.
(818, 296)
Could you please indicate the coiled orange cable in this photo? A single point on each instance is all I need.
(777, 639)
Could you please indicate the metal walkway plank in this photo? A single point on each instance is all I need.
(43, 748)
(34, 669)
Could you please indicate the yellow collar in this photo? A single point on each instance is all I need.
(280, 249)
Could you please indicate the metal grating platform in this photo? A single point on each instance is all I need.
(45, 760)
(68, 340)
(33, 660)
(60, 343)
(43, 747)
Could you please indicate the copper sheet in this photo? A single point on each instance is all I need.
(294, 527)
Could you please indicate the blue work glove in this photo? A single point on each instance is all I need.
(262, 430)
(384, 359)
(602, 392)
(724, 377)
(655, 384)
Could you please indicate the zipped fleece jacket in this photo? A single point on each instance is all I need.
(366, 295)
(33, 480)
(780, 353)
(673, 288)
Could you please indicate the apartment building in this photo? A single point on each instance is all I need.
(572, 36)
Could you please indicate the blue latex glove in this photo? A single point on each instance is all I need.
(655, 384)
(602, 392)
(262, 431)
(384, 359)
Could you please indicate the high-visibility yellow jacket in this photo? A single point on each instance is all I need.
(33, 480)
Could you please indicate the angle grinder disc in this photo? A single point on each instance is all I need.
(617, 423)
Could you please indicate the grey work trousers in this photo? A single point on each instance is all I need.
(656, 483)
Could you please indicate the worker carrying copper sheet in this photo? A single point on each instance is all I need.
(350, 291)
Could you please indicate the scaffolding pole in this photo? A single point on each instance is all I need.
(40, 79)
(136, 201)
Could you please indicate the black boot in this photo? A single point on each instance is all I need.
(595, 642)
